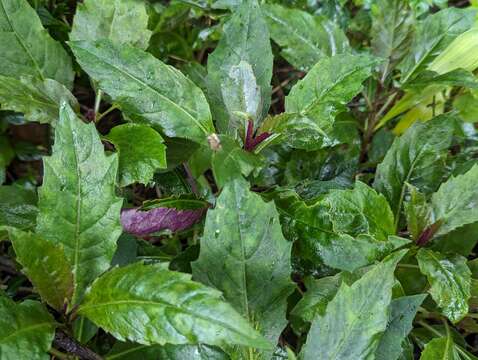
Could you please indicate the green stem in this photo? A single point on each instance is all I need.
(102, 115)
(97, 104)
(58, 354)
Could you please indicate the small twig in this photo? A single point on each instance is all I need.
(70, 345)
(190, 179)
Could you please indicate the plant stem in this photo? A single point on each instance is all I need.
(58, 354)
(97, 104)
(102, 115)
(70, 345)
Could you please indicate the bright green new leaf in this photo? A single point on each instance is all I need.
(146, 89)
(356, 318)
(149, 304)
(39, 100)
(77, 204)
(46, 266)
(26, 48)
(440, 349)
(121, 21)
(26, 330)
(454, 204)
(244, 254)
(400, 323)
(417, 158)
(141, 152)
(450, 280)
(304, 38)
(240, 70)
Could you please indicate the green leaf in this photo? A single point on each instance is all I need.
(141, 152)
(450, 280)
(46, 266)
(146, 89)
(39, 100)
(392, 25)
(304, 38)
(240, 70)
(402, 313)
(244, 254)
(18, 207)
(454, 204)
(177, 310)
(27, 49)
(417, 158)
(457, 77)
(440, 349)
(77, 202)
(433, 35)
(131, 351)
(26, 330)
(417, 212)
(121, 21)
(356, 318)
(320, 96)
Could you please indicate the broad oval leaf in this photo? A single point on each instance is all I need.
(77, 204)
(26, 330)
(244, 254)
(149, 304)
(146, 89)
(26, 48)
(122, 21)
(450, 280)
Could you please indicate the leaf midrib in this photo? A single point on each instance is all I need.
(23, 330)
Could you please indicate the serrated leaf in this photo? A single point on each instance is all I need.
(26, 48)
(400, 323)
(304, 38)
(433, 35)
(39, 100)
(240, 70)
(417, 158)
(450, 279)
(121, 21)
(440, 349)
(321, 95)
(244, 254)
(146, 89)
(46, 266)
(454, 204)
(77, 204)
(141, 152)
(149, 304)
(131, 351)
(355, 319)
(26, 330)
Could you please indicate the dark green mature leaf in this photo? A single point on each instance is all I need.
(141, 152)
(450, 280)
(122, 21)
(454, 204)
(77, 202)
(149, 304)
(27, 49)
(440, 349)
(392, 25)
(131, 351)
(402, 313)
(26, 330)
(457, 77)
(417, 158)
(355, 319)
(39, 100)
(433, 35)
(46, 266)
(315, 101)
(18, 207)
(304, 38)
(240, 69)
(244, 254)
(146, 89)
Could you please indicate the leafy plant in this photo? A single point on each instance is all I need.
(238, 180)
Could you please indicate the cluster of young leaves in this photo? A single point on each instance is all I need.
(238, 180)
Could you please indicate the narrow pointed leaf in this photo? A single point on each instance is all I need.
(450, 280)
(146, 89)
(151, 305)
(77, 202)
(122, 21)
(26, 48)
(244, 254)
(355, 319)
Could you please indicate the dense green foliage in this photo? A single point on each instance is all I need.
(238, 179)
